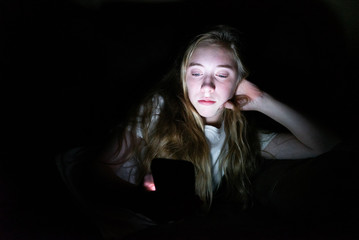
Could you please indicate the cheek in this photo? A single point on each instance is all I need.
(190, 88)
(227, 92)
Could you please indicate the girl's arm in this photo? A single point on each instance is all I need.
(115, 164)
(305, 139)
(112, 163)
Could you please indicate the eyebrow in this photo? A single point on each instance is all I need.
(223, 66)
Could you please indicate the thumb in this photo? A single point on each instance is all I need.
(148, 183)
(228, 105)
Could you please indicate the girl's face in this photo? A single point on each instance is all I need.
(211, 80)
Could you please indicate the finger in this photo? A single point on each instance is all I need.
(149, 183)
(242, 86)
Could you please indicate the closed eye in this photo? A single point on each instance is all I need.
(222, 75)
(196, 74)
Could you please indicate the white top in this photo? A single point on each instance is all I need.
(215, 139)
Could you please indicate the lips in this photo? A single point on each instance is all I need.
(206, 102)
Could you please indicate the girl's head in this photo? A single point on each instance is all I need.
(211, 70)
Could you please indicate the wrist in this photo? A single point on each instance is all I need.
(265, 103)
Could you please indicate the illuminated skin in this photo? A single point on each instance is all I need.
(211, 80)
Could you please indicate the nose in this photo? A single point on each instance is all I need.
(208, 85)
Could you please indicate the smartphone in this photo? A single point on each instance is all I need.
(173, 176)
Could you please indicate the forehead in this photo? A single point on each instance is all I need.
(213, 54)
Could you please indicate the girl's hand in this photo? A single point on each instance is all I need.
(148, 183)
(254, 94)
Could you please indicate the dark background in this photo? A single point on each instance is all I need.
(71, 70)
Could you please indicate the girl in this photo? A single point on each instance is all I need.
(196, 115)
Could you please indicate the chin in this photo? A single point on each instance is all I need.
(208, 114)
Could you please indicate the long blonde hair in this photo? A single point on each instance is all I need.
(178, 132)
